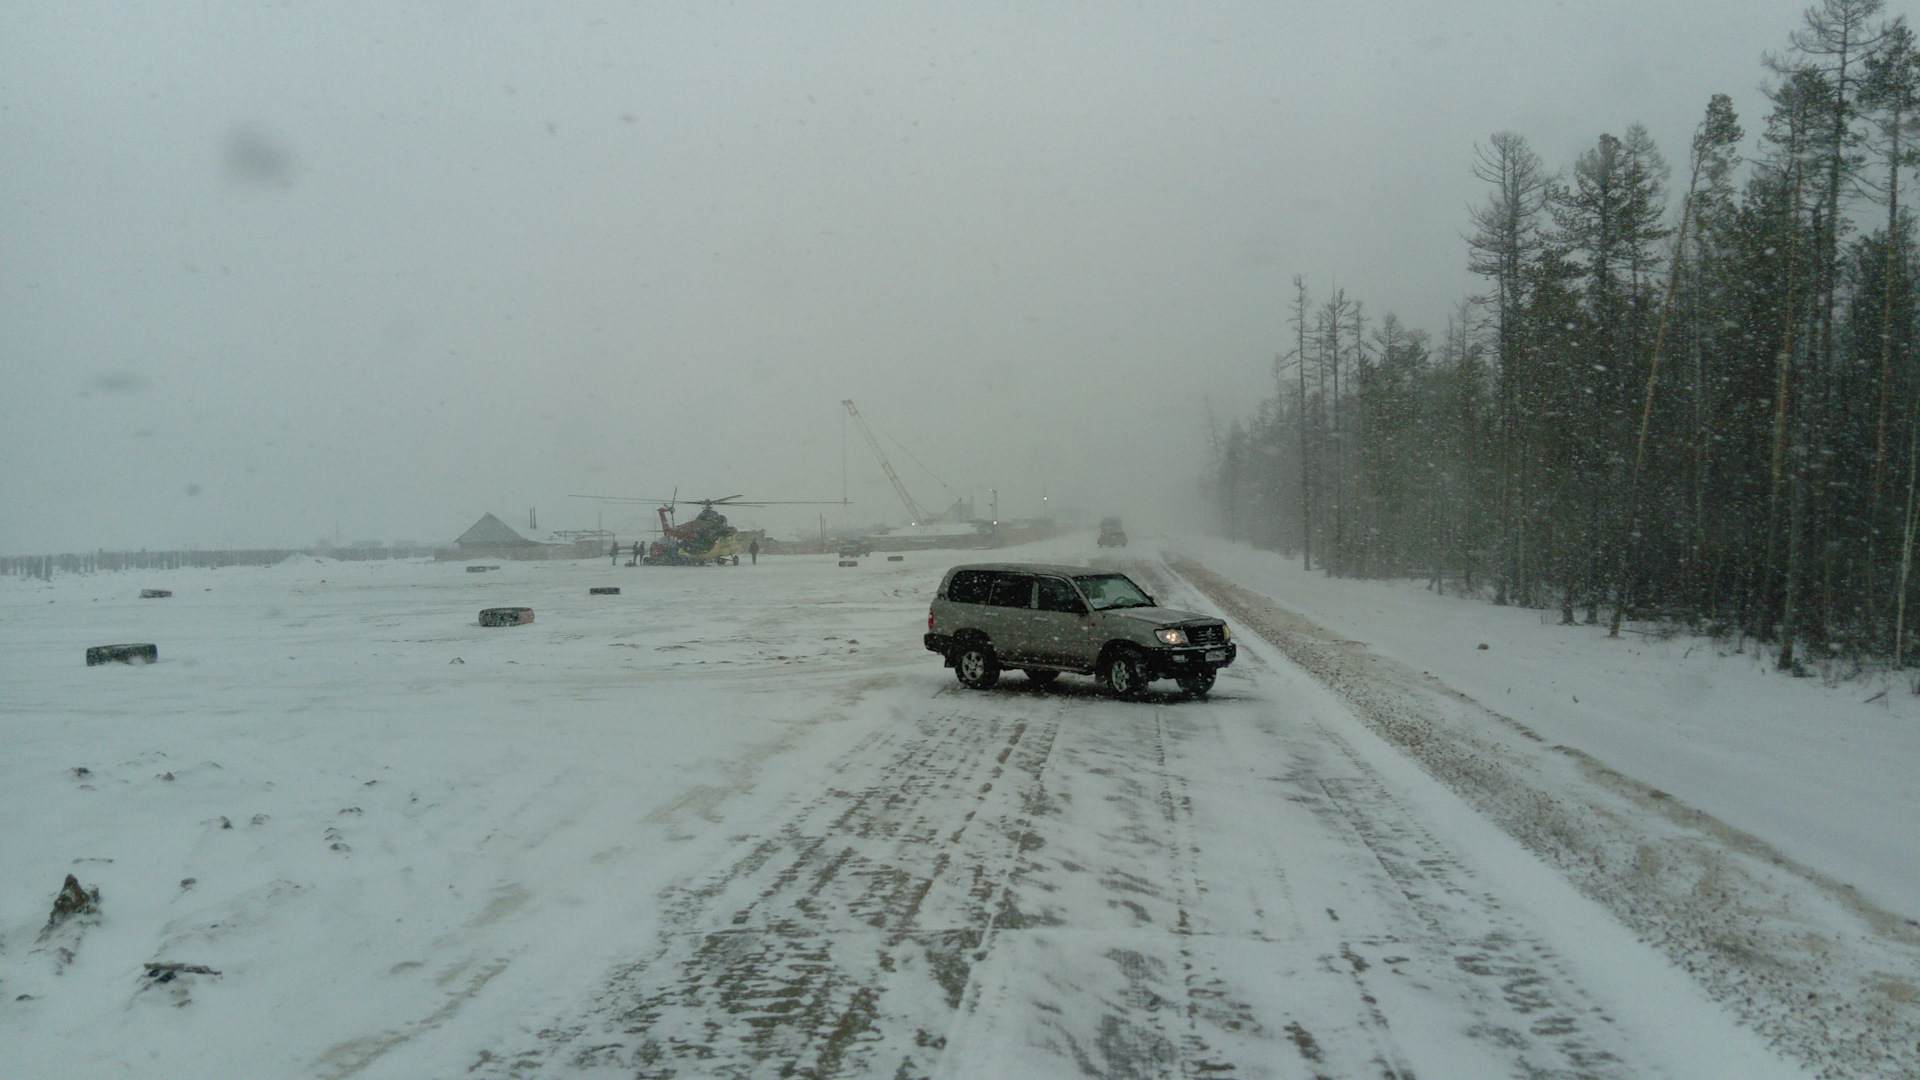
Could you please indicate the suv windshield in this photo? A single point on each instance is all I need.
(1112, 591)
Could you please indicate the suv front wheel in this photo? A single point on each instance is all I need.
(1125, 675)
(1198, 683)
(976, 666)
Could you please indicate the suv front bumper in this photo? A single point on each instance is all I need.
(1173, 663)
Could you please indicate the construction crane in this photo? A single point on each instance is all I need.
(916, 513)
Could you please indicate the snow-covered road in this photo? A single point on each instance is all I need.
(738, 823)
(1053, 884)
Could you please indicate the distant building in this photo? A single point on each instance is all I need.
(492, 538)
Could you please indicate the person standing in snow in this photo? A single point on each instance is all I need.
(753, 550)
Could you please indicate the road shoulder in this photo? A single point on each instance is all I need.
(1804, 961)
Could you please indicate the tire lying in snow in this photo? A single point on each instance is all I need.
(604, 590)
(122, 654)
(896, 558)
(506, 616)
(849, 562)
(155, 594)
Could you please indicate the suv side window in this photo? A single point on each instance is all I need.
(1057, 594)
(970, 587)
(1011, 590)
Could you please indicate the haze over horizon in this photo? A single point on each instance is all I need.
(361, 271)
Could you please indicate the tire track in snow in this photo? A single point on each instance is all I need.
(1825, 977)
(1515, 988)
(841, 940)
(1136, 962)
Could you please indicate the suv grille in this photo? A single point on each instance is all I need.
(1213, 634)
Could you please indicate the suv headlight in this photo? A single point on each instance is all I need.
(1226, 633)
(1171, 636)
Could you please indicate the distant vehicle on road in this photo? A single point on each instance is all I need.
(1111, 535)
(855, 547)
(1049, 619)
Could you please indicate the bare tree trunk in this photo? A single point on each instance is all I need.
(1300, 357)
(1886, 380)
(1782, 388)
(1703, 597)
(1906, 542)
(1789, 605)
(1339, 556)
(1629, 544)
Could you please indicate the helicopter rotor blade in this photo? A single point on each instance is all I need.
(618, 498)
(773, 502)
(731, 500)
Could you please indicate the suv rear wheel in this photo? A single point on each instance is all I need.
(1125, 674)
(975, 665)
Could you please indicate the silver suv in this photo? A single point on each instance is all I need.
(1049, 619)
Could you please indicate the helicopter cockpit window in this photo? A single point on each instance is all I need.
(1012, 590)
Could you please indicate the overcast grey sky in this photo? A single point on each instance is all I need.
(273, 272)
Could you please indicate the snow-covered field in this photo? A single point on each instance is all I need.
(737, 822)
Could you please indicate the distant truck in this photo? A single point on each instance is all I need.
(1111, 534)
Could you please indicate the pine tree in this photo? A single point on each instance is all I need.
(1609, 216)
(1506, 241)
(1713, 143)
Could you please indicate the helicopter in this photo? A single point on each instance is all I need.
(704, 540)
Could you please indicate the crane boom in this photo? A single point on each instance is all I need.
(915, 512)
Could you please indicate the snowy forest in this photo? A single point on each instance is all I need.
(1686, 392)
